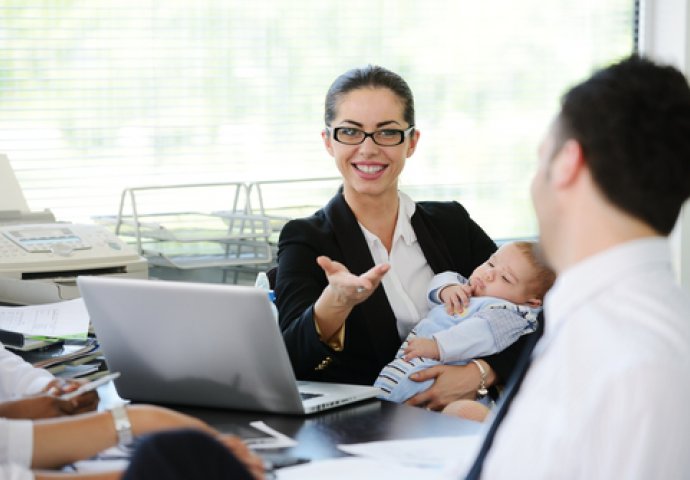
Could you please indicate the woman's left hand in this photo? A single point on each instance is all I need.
(451, 382)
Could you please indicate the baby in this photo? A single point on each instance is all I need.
(505, 296)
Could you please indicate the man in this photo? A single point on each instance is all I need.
(607, 392)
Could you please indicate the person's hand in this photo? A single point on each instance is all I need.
(455, 297)
(347, 289)
(422, 347)
(250, 459)
(451, 382)
(46, 405)
(86, 402)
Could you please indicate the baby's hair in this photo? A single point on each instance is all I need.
(544, 276)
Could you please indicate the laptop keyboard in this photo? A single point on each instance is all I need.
(307, 396)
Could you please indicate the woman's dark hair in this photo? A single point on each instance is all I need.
(632, 120)
(370, 76)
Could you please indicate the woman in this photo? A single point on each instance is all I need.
(338, 325)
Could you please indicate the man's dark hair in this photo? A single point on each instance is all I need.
(632, 120)
(370, 76)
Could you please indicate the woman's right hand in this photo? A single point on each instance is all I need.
(347, 289)
(343, 293)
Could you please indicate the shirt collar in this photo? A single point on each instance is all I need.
(585, 280)
(403, 227)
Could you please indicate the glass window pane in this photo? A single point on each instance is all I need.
(98, 96)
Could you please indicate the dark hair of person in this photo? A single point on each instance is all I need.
(632, 120)
(371, 76)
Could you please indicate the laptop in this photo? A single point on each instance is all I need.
(201, 344)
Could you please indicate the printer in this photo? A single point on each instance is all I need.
(40, 258)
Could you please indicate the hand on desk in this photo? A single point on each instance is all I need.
(47, 404)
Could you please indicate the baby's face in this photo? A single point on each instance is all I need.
(507, 274)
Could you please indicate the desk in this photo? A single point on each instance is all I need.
(318, 435)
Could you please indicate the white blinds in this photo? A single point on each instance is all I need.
(100, 95)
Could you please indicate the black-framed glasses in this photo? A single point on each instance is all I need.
(386, 137)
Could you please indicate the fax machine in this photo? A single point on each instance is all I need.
(39, 263)
(40, 258)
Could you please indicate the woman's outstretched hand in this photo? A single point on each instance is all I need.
(348, 289)
(343, 293)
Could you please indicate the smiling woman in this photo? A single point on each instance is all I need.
(371, 170)
(352, 278)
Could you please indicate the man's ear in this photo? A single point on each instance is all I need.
(567, 164)
(327, 141)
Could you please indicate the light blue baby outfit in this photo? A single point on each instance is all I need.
(487, 326)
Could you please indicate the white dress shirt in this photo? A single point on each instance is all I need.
(15, 472)
(16, 449)
(608, 390)
(407, 280)
(19, 378)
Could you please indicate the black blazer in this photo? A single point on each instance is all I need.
(450, 240)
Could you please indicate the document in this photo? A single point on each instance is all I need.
(257, 435)
(68, 320)
(437, 458)
(347, 468)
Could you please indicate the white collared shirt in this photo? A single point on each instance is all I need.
(16, 449)
(607, 393)
(19, 378)
(406, 282)
(15, 472)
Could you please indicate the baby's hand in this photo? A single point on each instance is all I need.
(422, 347)
(455, 298)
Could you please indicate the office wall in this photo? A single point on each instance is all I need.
(665, 35)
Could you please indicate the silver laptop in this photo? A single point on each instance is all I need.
(201, 344)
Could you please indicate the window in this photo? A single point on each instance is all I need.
(99, 96)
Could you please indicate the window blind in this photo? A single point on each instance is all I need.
(102, 95)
